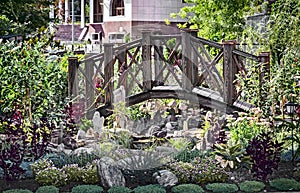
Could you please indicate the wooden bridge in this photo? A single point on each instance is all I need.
(179, 66)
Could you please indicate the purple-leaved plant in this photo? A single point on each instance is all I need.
(264, 152)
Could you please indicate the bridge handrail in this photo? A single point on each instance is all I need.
(246, 55)
(160, 37)
(128, 46)
(207, 42)
(92, 57)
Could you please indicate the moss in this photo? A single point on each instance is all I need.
(251, 186)
(119, 189)
(285, 184)
(222, 187)
(18, 191)
(47, 189)
(187, 188)
(87, 189)
(152, 188)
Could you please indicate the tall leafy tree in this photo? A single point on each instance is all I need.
(23, 16)
(215, 19)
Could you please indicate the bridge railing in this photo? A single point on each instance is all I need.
(182, 60)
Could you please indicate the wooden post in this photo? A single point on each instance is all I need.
(73, 76)
(187, 76)
(158, 60)
(229, 72)
(108, 73)
(264, 58)
(194, 61)
(89, 84)
(146, 61)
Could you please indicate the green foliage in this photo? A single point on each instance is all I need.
(187, 188)
(222, 187)
(41, 165)
(73, 172)
(231, 156)
(188, 155)
(215, 19)
(51, 176)
(26, 15)
(251, 186)
(90, 174)
(152, 188)
(87, 189)
(47, 189)
(29, 81)
(246, 127)
(17, 191)
(119, 189)
(285, 184)
(199, 171)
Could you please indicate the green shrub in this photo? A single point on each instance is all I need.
(87, 189)
(51, 176)
(222, 187)
(73, 172)
(90, 174)
(198, 171)
(251, 186)
(47, 189)
(18, 191)
(40, 165)
(285, 184)
(152, 188)
(187, 188)
(119, 189)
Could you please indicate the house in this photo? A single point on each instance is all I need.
(119, 16)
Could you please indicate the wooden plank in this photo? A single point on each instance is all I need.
(207, 42)
(146, 58)
(73, 65)
(109, 72)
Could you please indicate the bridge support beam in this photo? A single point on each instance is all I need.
(229, 72)
(109, 73)
(146, 57)
(187, 77)
(73, 65)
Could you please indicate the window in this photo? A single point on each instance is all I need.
(98, 10)
(117, 7)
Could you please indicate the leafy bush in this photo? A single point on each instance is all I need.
(119, 189)
(22, 140)
(61, 159)
(187, 188)
(222, 187)
(152, 188)
(87, 189)
(199, 171)
(73, 172)
(47, 189)
(17, 191)
(90, 174)
(264, 152)
(251, 186)
(30, 80)
(187, 155)
(51, 176)
(285, 184)
(41, 165)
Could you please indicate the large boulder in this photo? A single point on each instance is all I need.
(109, 174)
(165, 178)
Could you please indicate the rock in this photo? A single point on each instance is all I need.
(69, 143)
(157, 117)
(165, 178)
(98, 123)
(80, 134)
(109, 174)
(160, 134)
(169, 126)
(82, 150)
(153, 129)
